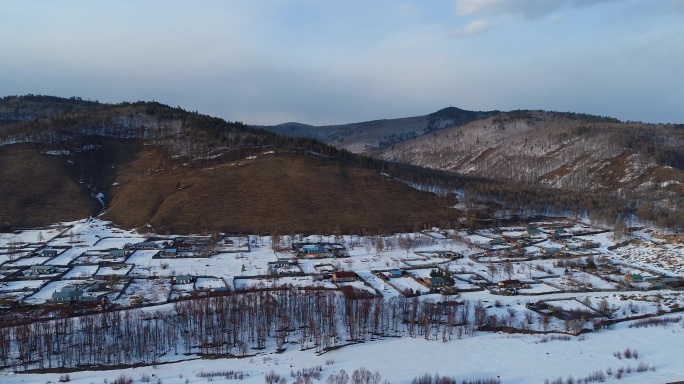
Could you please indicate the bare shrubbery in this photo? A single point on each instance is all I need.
(274, 378)
(554, 337)
(600, 376)
(359, 376)
(123, 379)
(230, 375)
(306, 375)
(655, 321)
(437, 379)
(596, 376)
(627, 353)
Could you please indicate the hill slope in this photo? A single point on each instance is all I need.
(560, 150)
(276, 191)
(38, 189)
(361, 137)
(179, 171)
(184, 172)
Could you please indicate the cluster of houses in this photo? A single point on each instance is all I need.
(528, 236)
(143, 245)
(511, 285)
(434, 282)
(73, 295)
(175, 248)
(430, 282)
(447, 255)
(323, 249)
(654, 282)
(184, 244)
(393, 274)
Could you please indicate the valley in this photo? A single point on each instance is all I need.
(144, 243)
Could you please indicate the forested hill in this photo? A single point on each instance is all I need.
(534, 152)
(640, 163)
(174, 170)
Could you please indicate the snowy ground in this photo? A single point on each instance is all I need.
(515, 359)
(114, 270)
(146, 278)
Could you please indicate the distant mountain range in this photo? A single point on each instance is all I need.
(560, 150)
(175, 171)
(365, 136)
(640, 163)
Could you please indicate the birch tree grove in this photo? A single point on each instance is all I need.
(233, 324)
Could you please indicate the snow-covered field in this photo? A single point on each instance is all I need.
(81, 272)
(114, 270)
(514, 359)
(241, 263)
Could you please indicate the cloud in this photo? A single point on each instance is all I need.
(474, 27)
(527, 8)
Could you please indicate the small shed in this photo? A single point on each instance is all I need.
(509, 284)
(657, 285)
(145, 245)
(496, 241)
(184, 279)
(42, 269)
(183, 246)
(572, 247)
(343, 276)
(115, 253)
(634, 278)
(395, 273)
(282, 263)
(90, 299)
(435, 281)
(533, 231)
(550, 250)
(313, 248)
(49, 252)
(443, 254)
(67, 294)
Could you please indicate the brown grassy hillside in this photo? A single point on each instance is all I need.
(38, 189)
(280, 192)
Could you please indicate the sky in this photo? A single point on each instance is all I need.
(330, 62)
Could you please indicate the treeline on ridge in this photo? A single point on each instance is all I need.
(190, 136)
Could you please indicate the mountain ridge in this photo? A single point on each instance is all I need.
(168, 169)
(364, 136)
(503, 164)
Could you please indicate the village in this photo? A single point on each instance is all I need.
(547, 268)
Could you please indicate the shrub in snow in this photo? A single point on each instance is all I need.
(123, 379)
